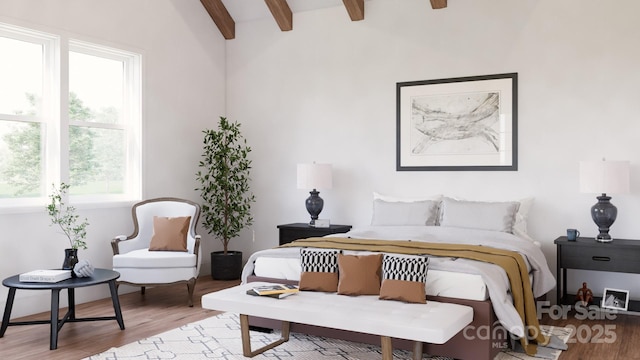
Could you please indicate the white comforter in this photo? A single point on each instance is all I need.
(493, 275)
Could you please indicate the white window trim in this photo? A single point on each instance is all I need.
(55, 115)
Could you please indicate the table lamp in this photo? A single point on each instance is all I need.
(314, 176)
(604, 177)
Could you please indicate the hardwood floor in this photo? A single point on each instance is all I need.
(159, 310)
(164, 308)
(600, 338)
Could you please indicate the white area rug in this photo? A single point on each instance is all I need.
(219, 338)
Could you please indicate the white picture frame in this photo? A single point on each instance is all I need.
(615, 299)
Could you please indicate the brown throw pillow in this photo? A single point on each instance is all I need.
(319, 270)
(169, 233)
(359, 274)
(403, 278)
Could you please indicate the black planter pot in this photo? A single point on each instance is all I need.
(226, 267)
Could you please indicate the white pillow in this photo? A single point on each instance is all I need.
(387, 213)
(495, 216)
(520, 225)
(391, 198)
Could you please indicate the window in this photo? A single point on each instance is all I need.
(87, 136)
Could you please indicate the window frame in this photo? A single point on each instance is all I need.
(54, 117)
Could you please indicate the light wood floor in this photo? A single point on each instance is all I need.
(159, 310)
(164, 308)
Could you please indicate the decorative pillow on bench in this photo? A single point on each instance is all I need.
(319, 270)
(404, 277)
(359, 274)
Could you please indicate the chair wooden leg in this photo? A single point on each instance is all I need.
(191, 285)
(142, 289)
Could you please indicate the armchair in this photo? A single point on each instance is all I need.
(140, 265)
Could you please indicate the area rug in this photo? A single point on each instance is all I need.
(218, 337)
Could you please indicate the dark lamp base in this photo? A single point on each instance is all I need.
(604, 214)
(314, 204)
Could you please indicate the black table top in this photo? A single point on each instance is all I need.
(99, 276)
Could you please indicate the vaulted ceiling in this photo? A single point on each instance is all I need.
(225, 13)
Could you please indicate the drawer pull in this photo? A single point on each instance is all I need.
(601, 258)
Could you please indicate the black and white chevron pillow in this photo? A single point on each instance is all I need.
(412, 268)
(319, 260)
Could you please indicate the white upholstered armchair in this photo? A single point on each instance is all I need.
(163, 249)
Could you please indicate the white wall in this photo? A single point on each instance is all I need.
(184, 59)
(326, 92)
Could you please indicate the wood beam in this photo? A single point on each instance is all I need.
(355, 8)
(282, 13)
(221, 17)
(438, 4)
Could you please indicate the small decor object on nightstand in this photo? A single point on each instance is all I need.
(615, 299)
(584, 295)
(572, 234)
(314, 176)
(602, 177)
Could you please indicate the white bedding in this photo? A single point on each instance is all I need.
(494, 277)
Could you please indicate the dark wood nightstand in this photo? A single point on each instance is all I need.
(290, 232)
(620, 255)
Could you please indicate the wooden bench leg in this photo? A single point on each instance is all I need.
(246, 338)
(387, 348)
(417, 350)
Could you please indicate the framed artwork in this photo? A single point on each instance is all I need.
(615, 299)
(458, 124)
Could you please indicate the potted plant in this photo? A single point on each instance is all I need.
(224, 188)
(69, 222)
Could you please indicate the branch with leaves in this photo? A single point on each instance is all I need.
(66, 218)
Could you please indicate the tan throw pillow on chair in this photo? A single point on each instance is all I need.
(169, 233)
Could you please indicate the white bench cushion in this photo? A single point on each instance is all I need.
(433, 322)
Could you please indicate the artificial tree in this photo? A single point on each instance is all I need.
(224, 188)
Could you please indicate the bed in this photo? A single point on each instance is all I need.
(484, 286)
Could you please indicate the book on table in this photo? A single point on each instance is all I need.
(275, 290)
(48, 276)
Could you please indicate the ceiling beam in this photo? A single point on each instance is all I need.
(355, 8)
(438, 4)
(282, 13)
(221, 17)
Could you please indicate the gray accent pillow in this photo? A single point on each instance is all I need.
(386, 213)
(495, 216)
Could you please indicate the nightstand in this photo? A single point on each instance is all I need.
(290, 232)
(620, 255)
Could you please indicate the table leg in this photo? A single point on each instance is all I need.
(71, 294)
(116, 303)
(7, 311)
(387, 348)
(55, 307)
(246, 338)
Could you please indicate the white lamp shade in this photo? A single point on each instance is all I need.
(314, 176)
(604, 177)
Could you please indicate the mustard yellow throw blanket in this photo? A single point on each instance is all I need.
(511, 261)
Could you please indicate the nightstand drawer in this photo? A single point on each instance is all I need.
(600, 258)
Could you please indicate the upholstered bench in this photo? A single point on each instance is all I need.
(433, 322)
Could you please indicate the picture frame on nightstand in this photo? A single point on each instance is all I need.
(615, 299)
